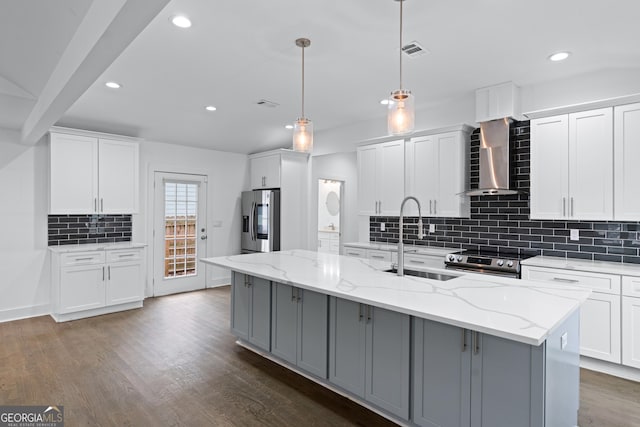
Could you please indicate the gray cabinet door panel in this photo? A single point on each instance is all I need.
(387, 360)
(313, 328)
(442, 375)
(501, 386)
(240, 306)
(260, 319)
(346, 345)
(284, 316)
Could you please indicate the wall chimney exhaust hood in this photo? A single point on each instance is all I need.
(494, 159)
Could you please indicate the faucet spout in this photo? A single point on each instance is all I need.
(401, 236)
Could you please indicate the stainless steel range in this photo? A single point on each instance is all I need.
(507, 265)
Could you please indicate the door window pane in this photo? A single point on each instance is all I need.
(181, 222)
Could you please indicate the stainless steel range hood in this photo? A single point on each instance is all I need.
(494, 159)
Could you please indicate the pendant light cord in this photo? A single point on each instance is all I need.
(401, 2)
(303, 81)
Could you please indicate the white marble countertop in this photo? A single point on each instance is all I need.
(95, 247)
(519, 310)
(422, 250)
(583, 265)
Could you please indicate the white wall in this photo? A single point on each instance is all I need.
(24, 258)
(339, 167)
(227, 177)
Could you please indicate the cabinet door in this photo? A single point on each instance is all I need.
(421, 175)
(503, 388)
(240, 305)
(627, 155)
(387, 360)
(600, 327)
(124, 283)
(82, 288)
(442, 375)
(355, 252)
(313, 326)
(367, 192)
(591, 165)
(452, 168)
(284, 321)
(260, 315)
(118, 177)
(74, 174)
(390, 178)
(347, 345)
(265, 172)
(631, 331)
(550, 167)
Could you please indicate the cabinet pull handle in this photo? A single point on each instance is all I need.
(101, 204)
(125, 255)
(564, 206)
(103, 274)
(95, 204)
(464, 340)
(561, 279)
(360, 315)
(299, 294)
(380, 207)
(369, 314)
(293, 298)
(435, 207)
(430, 206)
(109, 272)
(572, 207)
(377, 256)
(352, 253)
(246, 281)
(476, 342)
(415, 261)
(84, 259)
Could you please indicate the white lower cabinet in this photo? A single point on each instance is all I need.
(369, 352)
(599, 315)
(465, 378)
(299, 327)
(96, 282)
(251, 309)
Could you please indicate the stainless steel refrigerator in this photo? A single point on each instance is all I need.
(260, 221)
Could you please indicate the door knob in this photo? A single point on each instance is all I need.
(203, 237)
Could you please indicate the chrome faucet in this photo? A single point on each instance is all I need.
(400, 240)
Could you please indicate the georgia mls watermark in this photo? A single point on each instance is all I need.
(32, 416)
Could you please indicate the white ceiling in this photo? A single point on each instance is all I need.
(240, 51)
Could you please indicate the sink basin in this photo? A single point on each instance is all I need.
(424, 274)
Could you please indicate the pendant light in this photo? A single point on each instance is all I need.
(303, 127)
(400, 111)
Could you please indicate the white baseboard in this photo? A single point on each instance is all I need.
(24, 312)
(218, 281)
(609, 368)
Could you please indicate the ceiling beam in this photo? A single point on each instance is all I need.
(105, 32)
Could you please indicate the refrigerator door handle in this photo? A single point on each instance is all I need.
(252, 222)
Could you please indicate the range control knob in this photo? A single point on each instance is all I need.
(500, 263)
(451, 257)
(459, 258)
(509, 263)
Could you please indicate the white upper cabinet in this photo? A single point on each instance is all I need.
(90, 175)
(627, 157)
(436, 174)
(265, 172)
(497, 102)
(572, 166)
(381, 178)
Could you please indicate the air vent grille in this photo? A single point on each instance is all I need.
(414, 49)
(267, 103)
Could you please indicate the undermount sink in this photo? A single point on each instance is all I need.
(424, 274)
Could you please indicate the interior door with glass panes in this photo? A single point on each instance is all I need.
(180, 233)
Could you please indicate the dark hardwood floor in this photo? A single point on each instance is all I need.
(174, 363)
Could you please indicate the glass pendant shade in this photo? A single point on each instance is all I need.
(303, 135)
(401, 113)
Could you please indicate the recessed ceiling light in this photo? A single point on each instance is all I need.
(288, 126)
(112, 85)
(559, 56)
(210, 108)
(384, 102)
(180, 21)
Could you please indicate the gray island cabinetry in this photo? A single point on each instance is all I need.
(471, 351)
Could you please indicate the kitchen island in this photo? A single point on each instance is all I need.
(472, 350)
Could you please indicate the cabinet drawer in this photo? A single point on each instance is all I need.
(378, 255)
(631, 286)
(355, 252)
(82, 258)
(124, 255)
(597, 282)
(423, 261)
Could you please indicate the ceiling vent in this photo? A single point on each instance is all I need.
(414, 49)
(267, 103)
